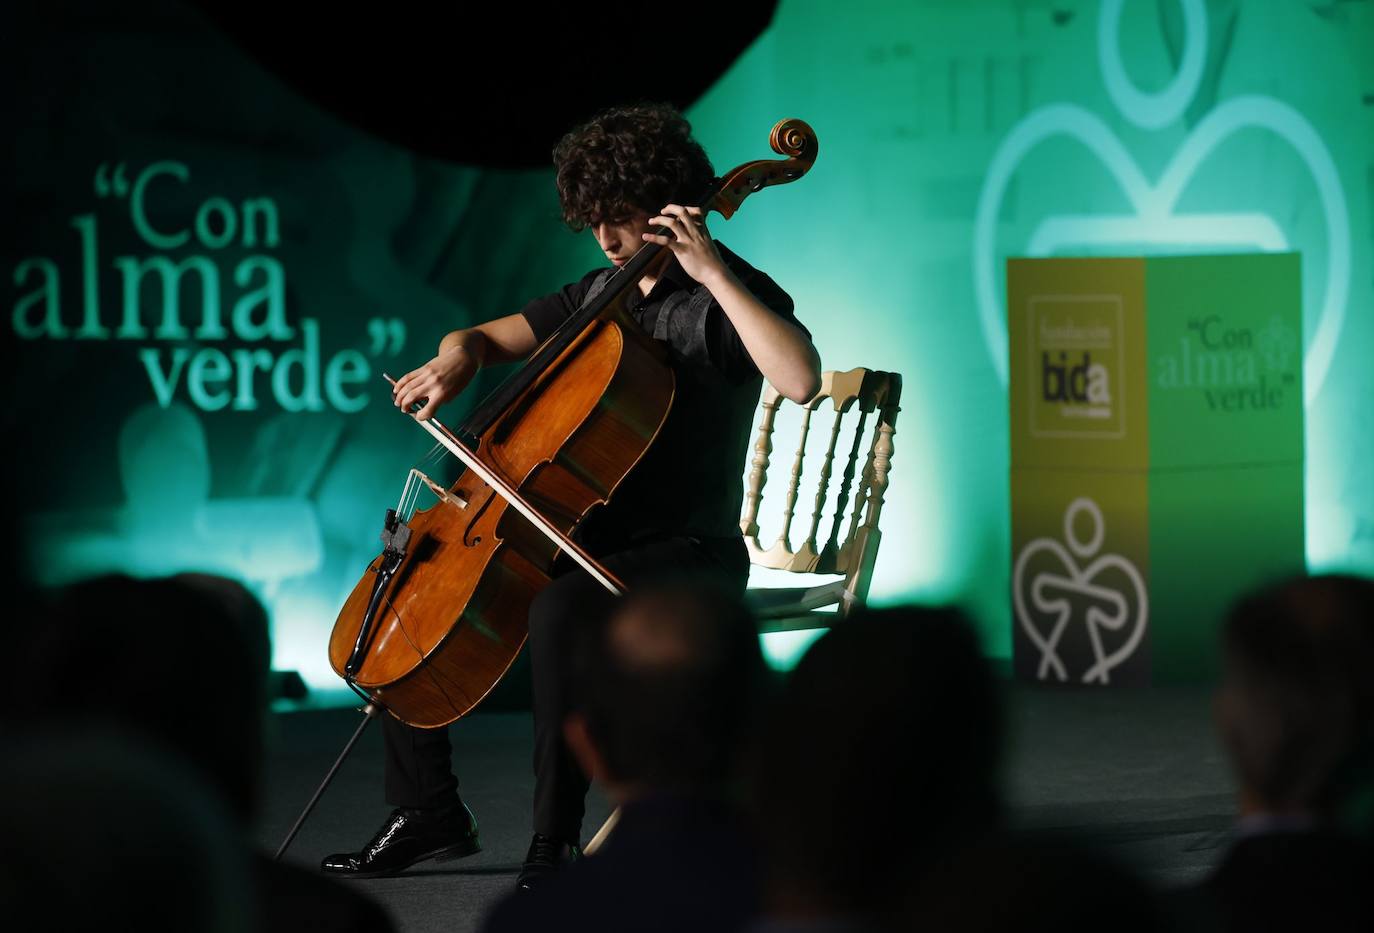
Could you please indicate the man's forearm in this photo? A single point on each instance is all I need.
(469, 339)
(782, 353)
(501, 340)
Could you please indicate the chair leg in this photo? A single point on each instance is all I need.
(601, 834)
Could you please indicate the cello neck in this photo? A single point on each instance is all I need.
(625, 278)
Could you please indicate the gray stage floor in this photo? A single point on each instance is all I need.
(1137, 772)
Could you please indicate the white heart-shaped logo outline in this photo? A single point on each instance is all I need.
(1154, 207)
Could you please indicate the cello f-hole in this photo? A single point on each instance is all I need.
(470, 539)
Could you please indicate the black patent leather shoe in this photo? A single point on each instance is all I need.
(407, 837)
(544, 858)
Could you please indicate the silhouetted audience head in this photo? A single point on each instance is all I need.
(183, 659)
(1297, 697)
(179, 663)
(663, 697)
(106, 831)
(1294, 713)
(666, 689)
(883, 748)
(1032, 883)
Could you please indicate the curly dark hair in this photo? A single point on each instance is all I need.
(626, 159)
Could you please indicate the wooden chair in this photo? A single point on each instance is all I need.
(851, 554)
(784, 609)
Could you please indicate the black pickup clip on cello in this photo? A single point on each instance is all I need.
(395, 537)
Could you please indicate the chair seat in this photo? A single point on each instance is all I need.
(806, 622)
(784, 609)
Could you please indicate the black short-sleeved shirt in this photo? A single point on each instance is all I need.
(690, 482)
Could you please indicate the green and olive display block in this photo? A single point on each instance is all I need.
(1156, 457)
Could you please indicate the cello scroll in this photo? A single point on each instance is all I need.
(793, 138)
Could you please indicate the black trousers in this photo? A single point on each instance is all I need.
(419, 768)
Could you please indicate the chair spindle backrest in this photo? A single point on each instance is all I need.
(852, 555)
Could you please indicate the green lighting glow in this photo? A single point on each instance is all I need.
(230, 307)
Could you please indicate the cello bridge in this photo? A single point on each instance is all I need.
(411, 490)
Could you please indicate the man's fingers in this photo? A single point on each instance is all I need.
(405, 383)
(414, 394)
(689, 214)
(667, 223)
(683, 224)
(429, 397)
(682, 229)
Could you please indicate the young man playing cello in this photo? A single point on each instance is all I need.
(727, 327)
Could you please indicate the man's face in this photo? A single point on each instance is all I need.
(621, 237)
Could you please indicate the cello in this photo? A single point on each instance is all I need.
(441, 614)
(561, 433)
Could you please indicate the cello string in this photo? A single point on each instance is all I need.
(412, 490)
(430, 460)
(411, 496)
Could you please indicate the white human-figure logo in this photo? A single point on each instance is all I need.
(1056, 596)
(1155, 220)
